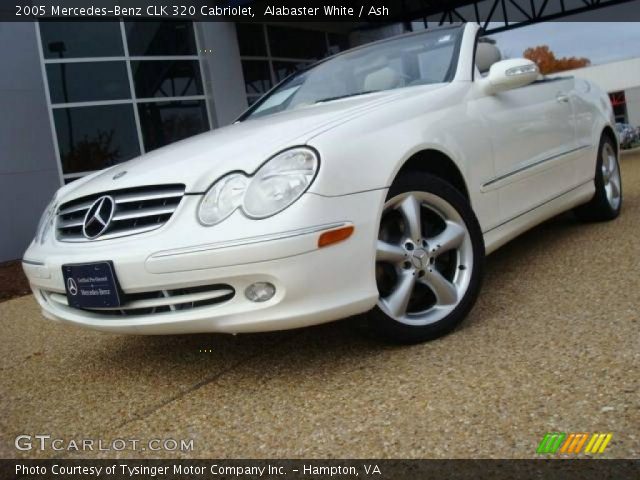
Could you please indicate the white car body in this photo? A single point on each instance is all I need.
(525, 155)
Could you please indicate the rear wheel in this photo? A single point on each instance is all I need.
(429, 260)
(607, 201)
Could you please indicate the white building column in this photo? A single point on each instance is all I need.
(222, 71)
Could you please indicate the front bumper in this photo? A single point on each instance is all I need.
(312, 285)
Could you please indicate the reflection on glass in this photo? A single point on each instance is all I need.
(338, 42)
(251, 40)
(160, 38)
(166, 122)
(92, 138)
(81, 39)
(85, 82)
(257, 77)
(284, 69)
(167, 78)
(296, 43)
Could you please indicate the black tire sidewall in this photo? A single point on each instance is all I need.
(601, 193)
(599, 209)
(393, 330)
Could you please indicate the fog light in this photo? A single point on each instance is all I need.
(260, 291)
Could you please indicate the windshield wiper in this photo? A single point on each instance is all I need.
(329, 99)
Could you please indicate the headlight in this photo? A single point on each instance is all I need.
(280, 182)
(222, 199)
(275, 186)
(46, 221)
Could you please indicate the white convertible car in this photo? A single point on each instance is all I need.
(374, 181)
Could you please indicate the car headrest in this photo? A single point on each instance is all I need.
(382, 79)
(486, 55)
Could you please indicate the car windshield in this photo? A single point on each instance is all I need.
(418, 59)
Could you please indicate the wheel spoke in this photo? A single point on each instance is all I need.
(398, 301)
(451, 237)
(612, 163)
(615, 187)
(444, 290)
(411, 211)
(387, 252)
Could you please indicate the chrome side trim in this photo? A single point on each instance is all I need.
(249, 240)
(532, 165)
(32, 262)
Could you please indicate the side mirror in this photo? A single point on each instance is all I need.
(509, 74)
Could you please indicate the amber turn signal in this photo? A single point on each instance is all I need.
(335, 236)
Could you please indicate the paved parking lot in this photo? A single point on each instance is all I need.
(552, 345)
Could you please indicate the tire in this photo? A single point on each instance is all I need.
(607, 201)
(428, 272)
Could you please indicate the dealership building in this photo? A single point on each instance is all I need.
(76, 97)
(622, 81)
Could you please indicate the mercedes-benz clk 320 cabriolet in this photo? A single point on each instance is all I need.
(374, 181)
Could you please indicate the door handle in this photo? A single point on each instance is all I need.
(562, 97)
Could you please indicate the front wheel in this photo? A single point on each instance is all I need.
(429, 260)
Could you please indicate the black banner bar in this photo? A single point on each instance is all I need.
(547, 469)
(387, 11)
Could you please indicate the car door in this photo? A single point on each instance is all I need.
(532, 132)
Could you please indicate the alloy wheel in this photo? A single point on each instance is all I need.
(424, 258)
(611, 175)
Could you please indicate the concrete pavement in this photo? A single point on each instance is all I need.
(552, 345)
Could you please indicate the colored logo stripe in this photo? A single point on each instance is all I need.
(598, 443)
(551, 442)
(573, 443)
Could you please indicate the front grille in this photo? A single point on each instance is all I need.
(137, 210)
(156, 302)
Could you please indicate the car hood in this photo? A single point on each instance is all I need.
(200, 160)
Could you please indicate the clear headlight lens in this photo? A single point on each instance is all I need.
(222, 198)
(280, 182)
(275, 186)
(46, 221)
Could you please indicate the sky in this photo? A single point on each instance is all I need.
(581, 35)
(600, 42)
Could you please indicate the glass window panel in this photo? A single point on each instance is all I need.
(167, 78)
(90, 81)
(296, 43)
(251, 40)
(284, 69)
(338, 42)
(257, 76)
(160, 38)
(92, 138)
(166, 122)
(81, 39)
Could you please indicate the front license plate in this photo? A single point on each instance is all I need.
(91, 285)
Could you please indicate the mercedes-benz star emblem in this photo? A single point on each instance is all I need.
(119, 175)
(72, 287)
(98, 217)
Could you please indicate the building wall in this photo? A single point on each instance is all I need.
(633, 104)
(29, 172)
(615, 77)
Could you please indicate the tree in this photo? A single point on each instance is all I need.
(548, 63)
